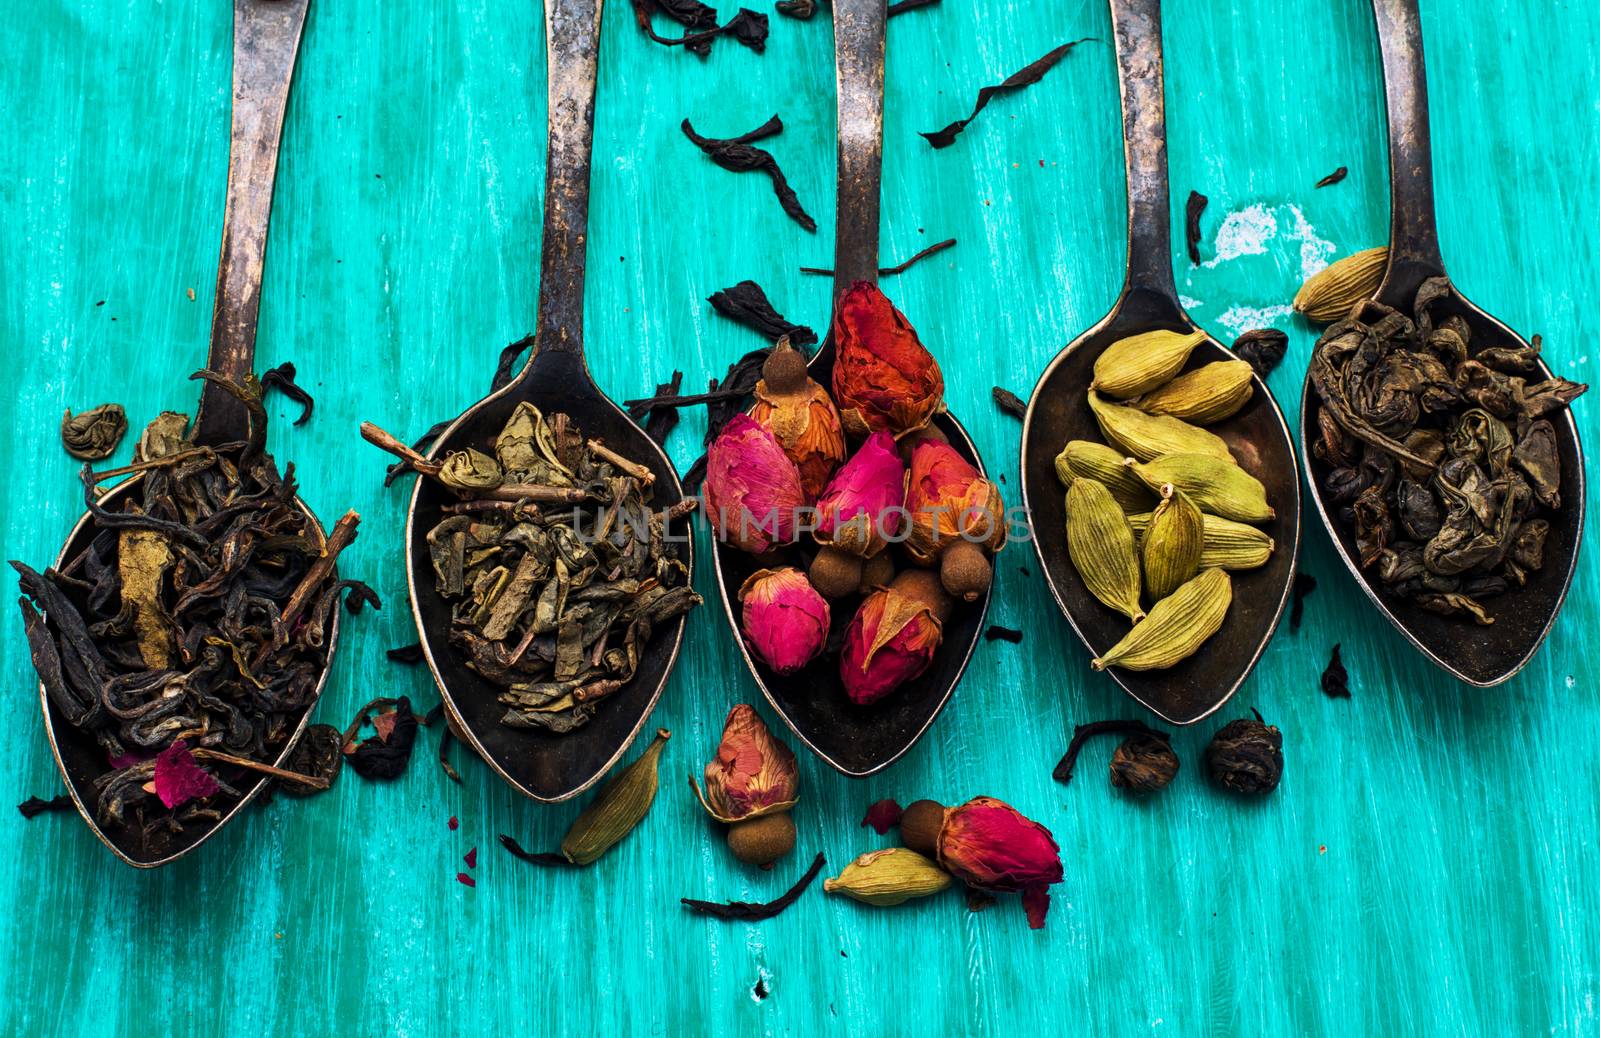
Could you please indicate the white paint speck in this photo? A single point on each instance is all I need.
(1190, 304)
(1315, 252)
(1244, 233)
(1242, 318)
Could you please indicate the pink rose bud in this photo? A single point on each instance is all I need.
(991, 845)
(865, 502)
(752, 775)
(891, 640)
(785, 620)
(950, 501)
(752, 489)
(884, 377)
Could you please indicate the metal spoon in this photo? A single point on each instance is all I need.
(858, 740)
(1059, 411)
(1478, 655)
(556, 378)
(266, 38)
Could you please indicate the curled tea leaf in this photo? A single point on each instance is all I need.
(93, 434)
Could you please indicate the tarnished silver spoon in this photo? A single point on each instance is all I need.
(1059, 411)
(556, 378)
(1478, 655)
(266, 39)
(858, 740)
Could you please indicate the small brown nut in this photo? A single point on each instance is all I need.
(834, 573)
(919, 827)
(924, 586)
(762, 841)
(876, 572)
(965, 571)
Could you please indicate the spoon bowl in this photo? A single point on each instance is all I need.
(1478, 655)
(1058, 411)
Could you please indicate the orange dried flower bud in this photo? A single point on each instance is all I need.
(752, 775)
(884, 377)
(949, 501)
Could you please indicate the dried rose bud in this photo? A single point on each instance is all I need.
(991, 845)
(884, 377)
(801, 417)
(891, 640)
(864, 503)
(950, 501)
(1246, 756)
(752, 775)
(785, 621)
(752, 489)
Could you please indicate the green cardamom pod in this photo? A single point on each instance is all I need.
(889, 877)
(1204, 396)
(1177, 625)
(619, 806)
(1142, 362)
(1171, 547)
(1330, 294)
(1228, 545)
(1100, 543)
(1096, 461)
(1149, 436)
(1214, 485)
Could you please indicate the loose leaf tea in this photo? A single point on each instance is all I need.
(556, 568)
(747, 911)
(410, 655)
(738, 156)
(898, 268)
(93, 435)
(1261, 348)
(663, 420)
(1335, 679)
(1192, 209)
(1143, 764)
(33, 807)
(196, 615)
(747, 27)
(1439, 454)
(746, 304)
(1018, 80)
(996, 633)
(1304, 584)
(1334, 177)
(1084, 732)
(1009, 402)
(385, 754)
(533, 858)
(319, 754)
(1246, 756)
(281, 378)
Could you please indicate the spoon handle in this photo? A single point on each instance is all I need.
(1144, 132)
(1413, 231)
(572, 48)
(858, 42)
(266, 37)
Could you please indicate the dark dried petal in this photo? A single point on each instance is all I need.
(1024, 77)
(737, 156)
(1335, 679)
(1334, 177)
(1261, 348)
(882, 816)
(1192, 210)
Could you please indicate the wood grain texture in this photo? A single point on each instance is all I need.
(1429, 859)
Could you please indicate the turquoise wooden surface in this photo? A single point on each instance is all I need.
(1430, 857)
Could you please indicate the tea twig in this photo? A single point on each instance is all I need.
(344, 531)
(203, 753)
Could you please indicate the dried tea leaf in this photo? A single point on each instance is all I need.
(1024, 77)
(1335, 679)
(281, 378)
(1334, 177)
(1192, 210)
(93, 434)
(755, 912)
(738, 156)
(746, 304)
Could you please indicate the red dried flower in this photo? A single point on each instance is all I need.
(178, 779)
(891, 640)
(991, 845)
(752, 490)
(752, 775)
(864, 503)
(471, 858)
(784, 619)
(883, 378)
(465, 880)
(801, 417)
(950, 501)
(883, 816)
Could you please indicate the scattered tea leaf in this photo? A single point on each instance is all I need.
(662, 420)
(1084, 732)
(1304, 584)
(1009, 402)
(411, 655)
(93, 435)
(386, 754)
(446, 740)
(33, 807)
(1191, 224)
(1335, 679)
(882, 816)
(746, 27)
(547, 859)
(319, 754)
(755, 912)
(1261, 348)
(746, 304)
(1018, 80)
(898, 268)
(1334, 177)
(737, 155)
(510, 363)
(281, 378)
(996, 633)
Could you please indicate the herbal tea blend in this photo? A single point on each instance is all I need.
(189, 638)
(1441, 452)
(556, 568)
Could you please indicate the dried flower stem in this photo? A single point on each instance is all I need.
(632, 468)
(344, 532)
(204, 753)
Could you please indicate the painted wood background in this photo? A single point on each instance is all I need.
(1430, 857)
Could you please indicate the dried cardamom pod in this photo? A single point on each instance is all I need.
(1177, 625)
(1149, 436)
(1100, 543)
(1214, 485)
(1228, 545)
(1204, 396)
(93, 435)
(889, 877)
(1171, 547)
(1092, 460)
(1142, 362)
(619, 806)
(470, 469)
(1328, 295)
